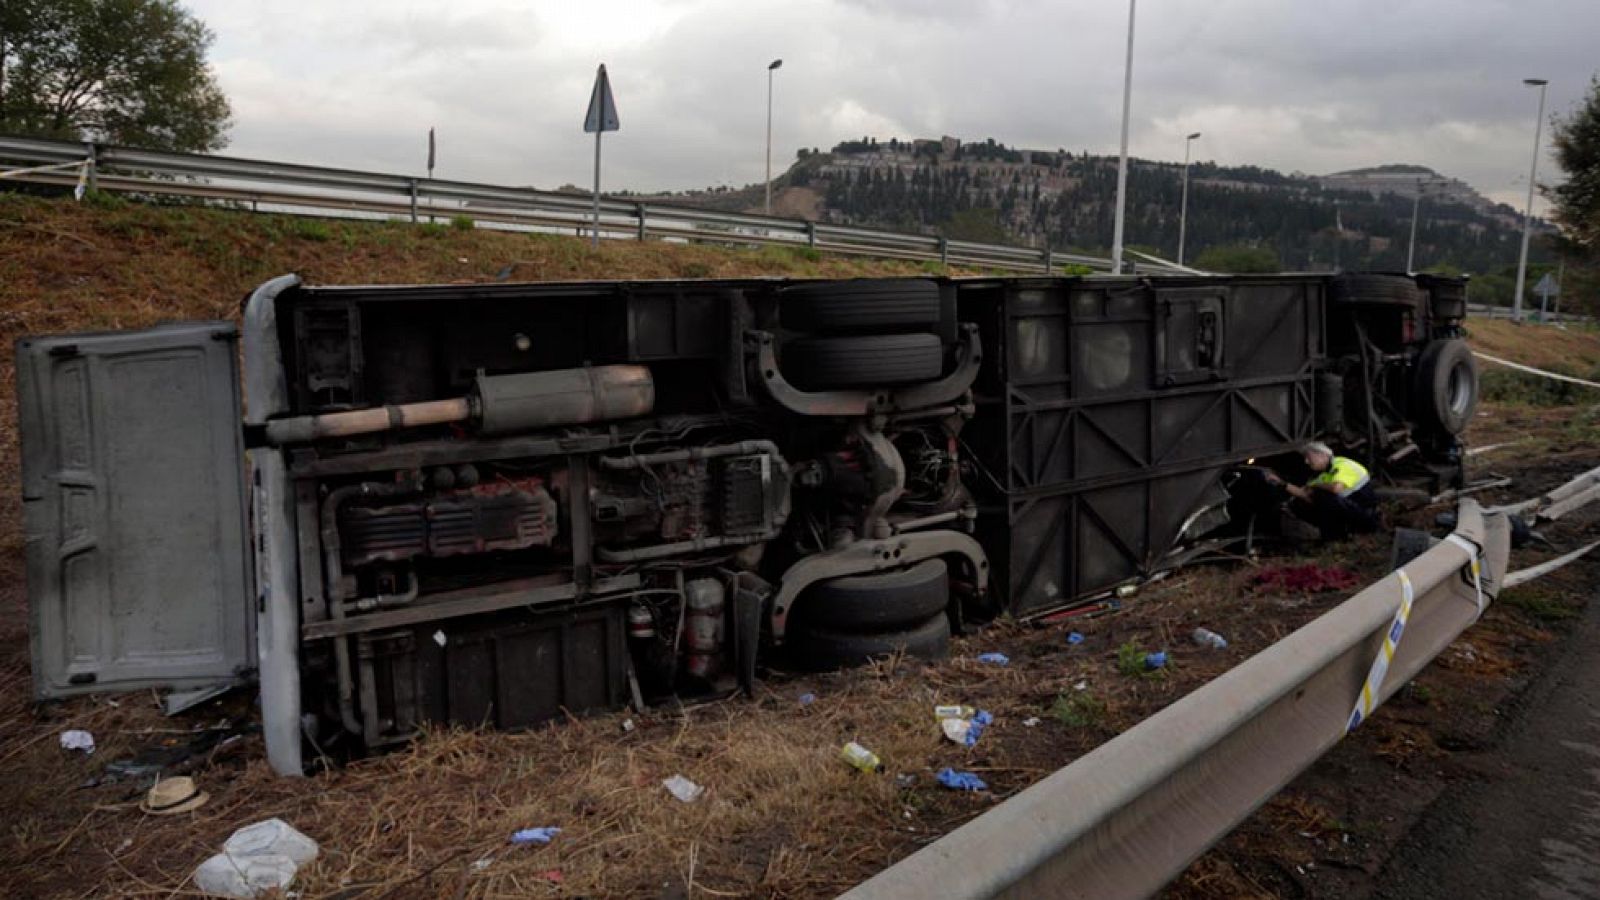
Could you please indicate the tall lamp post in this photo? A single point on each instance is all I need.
(1527, 217)
(771, 67)
(1183, 213)
(1122, 161)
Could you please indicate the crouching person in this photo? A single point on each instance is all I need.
(1339, 500)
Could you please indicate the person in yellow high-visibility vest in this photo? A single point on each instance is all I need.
(1339, 499)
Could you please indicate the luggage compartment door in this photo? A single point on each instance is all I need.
(134, 509)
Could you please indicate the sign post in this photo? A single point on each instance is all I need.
(1546, 288)
(602, 118)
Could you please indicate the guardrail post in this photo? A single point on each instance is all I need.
(639, 210)
(811, 234)
(92, 167)
(1049, 261)
(413, 201)
(944, 251)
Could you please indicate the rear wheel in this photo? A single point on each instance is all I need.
(861, 306)
(1446, 387)
(862, 361)
(818, 649)
(880, 601)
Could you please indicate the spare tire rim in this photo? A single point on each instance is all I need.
(1459, 390)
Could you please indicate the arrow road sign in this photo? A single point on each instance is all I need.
(602, 107)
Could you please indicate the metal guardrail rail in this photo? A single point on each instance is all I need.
(1128, 817)
(315, 190)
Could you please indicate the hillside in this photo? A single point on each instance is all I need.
(988, 191)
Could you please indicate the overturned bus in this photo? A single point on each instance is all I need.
(493, 503)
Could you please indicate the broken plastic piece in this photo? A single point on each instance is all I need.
(994, 659)
(77, 740)
(535, 835)
(682, 788)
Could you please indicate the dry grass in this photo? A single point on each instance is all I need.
(1574, 349)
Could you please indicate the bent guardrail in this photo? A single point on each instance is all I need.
(316, 190)
(1132, 814)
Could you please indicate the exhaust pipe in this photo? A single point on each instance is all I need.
(498, 404)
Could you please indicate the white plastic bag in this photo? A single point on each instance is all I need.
(254, 859)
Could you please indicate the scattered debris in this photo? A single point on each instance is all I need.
(1081, 686)
(905, 780)
(627, 726)
(1156, 660)
(1205, 637)
(807, 699)
(542, 835)
(483, 863)
(255, 859)
(965, 726)
(171, 796)
(961, 781)
(439, 638)
(682, 788)
(77, 740)
(860, 757)
(994, 659)
(1030, 721)
(1074, 638)
(552, 875)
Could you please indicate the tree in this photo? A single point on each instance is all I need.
(123, 71)
(1576, 140)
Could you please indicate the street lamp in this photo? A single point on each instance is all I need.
(1122, 161)
(1527, 218)
(1183, 215)
(771, 67)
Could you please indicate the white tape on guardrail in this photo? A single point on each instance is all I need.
(1368, 701)
(1474, 554)
(1532, 371)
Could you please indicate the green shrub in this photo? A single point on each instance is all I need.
(462, 223)
(1080, 710)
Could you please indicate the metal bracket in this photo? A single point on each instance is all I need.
(861, 557)
(969, 355)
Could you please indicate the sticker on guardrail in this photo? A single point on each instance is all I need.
(1474, 563)
(1368, 701)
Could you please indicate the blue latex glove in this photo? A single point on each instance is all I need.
(1155, 660)
(534, 835)
(976, 726)
(998, 659)
(1074, 638)
(961, 781)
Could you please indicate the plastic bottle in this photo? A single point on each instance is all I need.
(953, 712)
(1205, 637)
(860, 757)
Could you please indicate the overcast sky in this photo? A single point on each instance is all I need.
(1289, 84)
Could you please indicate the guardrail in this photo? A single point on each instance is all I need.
(314, 190)
(1131, 815)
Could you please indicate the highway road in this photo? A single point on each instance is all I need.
(1529, 825)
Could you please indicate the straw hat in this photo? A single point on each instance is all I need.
(171, 796)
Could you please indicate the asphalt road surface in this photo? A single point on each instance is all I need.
(1529, 825)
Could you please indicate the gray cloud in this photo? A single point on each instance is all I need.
(1293, 85)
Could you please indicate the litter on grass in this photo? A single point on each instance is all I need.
(682, 788)
(535, 835)
(1074, 638)
(255, 859)
(994, 659)
(77, 740)
(961, 781)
